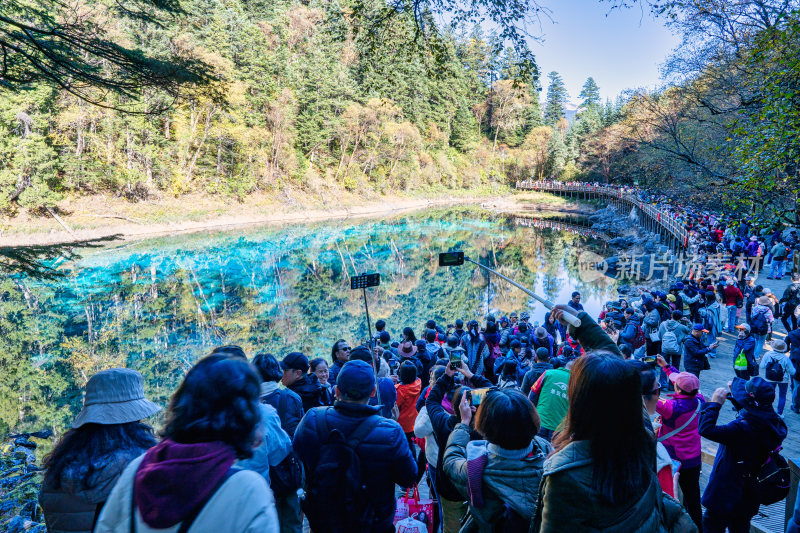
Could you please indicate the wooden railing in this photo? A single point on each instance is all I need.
(662, 221)
(558, 225)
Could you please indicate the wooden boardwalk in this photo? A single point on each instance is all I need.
(652, 219)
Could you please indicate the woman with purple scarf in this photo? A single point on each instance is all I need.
(189, 477)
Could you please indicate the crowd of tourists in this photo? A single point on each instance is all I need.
(508, 421)
(514, 424)
(747, 243)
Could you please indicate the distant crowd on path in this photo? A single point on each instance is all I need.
(753, 240)
(517, 425)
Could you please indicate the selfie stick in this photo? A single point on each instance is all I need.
(363, 282)
(568, 317)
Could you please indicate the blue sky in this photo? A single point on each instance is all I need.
(620, 49)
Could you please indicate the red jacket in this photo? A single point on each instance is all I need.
(407, 404)
(731, 294)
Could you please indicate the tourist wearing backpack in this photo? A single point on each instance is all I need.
(501, 474)
(790, 301)
(710, 317)
(353, 457)
(549, 395)
(632, 334)
(744, 362)
(778, 370)
(650, 324)
(744, 445)
(540, 366)
(779, 253)
(672, 334)
(290, 410)
(761, 320)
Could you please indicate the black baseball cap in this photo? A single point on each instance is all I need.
(295, 361)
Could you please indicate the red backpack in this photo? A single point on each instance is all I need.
(638, 340)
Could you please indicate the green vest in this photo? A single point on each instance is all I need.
(553, 403)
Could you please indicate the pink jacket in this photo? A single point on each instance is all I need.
(685, 446)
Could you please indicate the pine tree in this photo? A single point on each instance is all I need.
(464, 130)
(556, 99)
(590, 94)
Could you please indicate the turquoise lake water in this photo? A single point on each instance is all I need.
(159, 304)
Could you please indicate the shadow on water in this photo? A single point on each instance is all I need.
(157, 305)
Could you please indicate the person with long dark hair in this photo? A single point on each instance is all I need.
(88, 459)
(213, 419)
(602, 476)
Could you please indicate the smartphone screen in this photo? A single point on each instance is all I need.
(455, 359)
(476, 396)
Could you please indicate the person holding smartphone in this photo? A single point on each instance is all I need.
(442, 408)
(744, 445)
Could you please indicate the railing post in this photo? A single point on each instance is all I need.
(792, 497)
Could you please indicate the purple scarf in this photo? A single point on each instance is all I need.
(173, 479)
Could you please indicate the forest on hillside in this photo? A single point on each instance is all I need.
(304, 97)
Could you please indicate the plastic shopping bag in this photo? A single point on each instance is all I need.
(409, 525)
(410, 505)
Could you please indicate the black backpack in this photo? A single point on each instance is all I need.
(774, 479)
(774, 370)
(286, 477)
(758, 324)
(794, 295)
(337, 500)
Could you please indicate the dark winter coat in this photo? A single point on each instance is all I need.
(631, 329)
(748, 346)
(793, 342)
(71, 507)
(290, 410)
(532, 375)
(694, 351)
(385, 457)
(335, 368)
(744, 446)
(310, 390)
